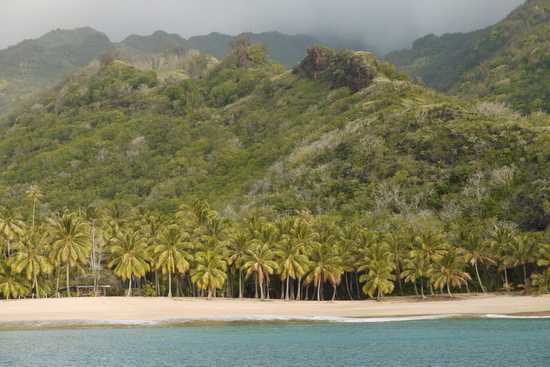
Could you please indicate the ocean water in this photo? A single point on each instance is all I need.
(448, 342)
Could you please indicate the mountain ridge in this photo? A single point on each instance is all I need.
(508, 62)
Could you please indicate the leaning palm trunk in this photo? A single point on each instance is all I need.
(479, 278)
(334, 292)
(347, 287)
(57, 283)
(129, 294)
(319, 289)
(35, 285)
(449, 289)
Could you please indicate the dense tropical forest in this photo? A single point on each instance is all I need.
(162, 172)
(196, 252)
(365, 184)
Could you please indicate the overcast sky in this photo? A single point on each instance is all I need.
(383, 23)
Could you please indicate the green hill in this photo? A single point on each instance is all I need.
(341, 133)
(32, 65)
(508, 62)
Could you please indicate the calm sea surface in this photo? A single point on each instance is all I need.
(465, 343)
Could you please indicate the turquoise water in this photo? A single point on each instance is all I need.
(467, 343)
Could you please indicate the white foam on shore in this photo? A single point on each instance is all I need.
(249, 319)
(513, 317)
(260, 318)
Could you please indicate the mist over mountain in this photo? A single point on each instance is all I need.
(385, 25)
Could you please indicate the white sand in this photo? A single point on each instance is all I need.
(163, 309)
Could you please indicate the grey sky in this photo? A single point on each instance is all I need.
(383, 23)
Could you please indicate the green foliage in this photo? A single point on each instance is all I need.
(507, 62)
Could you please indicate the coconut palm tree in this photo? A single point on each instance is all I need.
(238, 246)
(523, 250)
(11, 225)
(379, 265)
(31, 258)
(501, 239)
(70, 243)
(325, 266)
(475, 249)
(449, 271)
(416, 268)
(290, 256)
(153, 226)
(209, 272)
(11, 284)
(170, 255)
(259, 261)
(430, 243)
(129, 256)
(35, 195)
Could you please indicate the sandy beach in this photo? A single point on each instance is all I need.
(140, 309)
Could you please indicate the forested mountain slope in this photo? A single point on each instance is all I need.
(508, 62)
(37, 63)
(341, 133)
(34, 64)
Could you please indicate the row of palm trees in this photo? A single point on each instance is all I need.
(299, 256)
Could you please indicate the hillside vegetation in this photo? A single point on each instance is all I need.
(508, 62)
(340, 178)
(36, 64)
(342, 133)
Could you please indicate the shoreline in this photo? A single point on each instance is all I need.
(140, 311)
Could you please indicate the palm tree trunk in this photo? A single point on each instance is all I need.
(525, 285)
(240, 283)
(261, 281)
(67, 279)
(347, 286)
(479, 278)
(256, 285)
(319, 289)
(267, 287)
(129, 294)
(157, 283)
(422, 288)
(334, 292)
(58, 276)
(94, 268)
(431, 287)
(506, 279)
(357, 288)
(299, 295)
(33, 213)
(169, 284)
(287, 286)
(449, 289)
(35, 281)
(415, 289)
